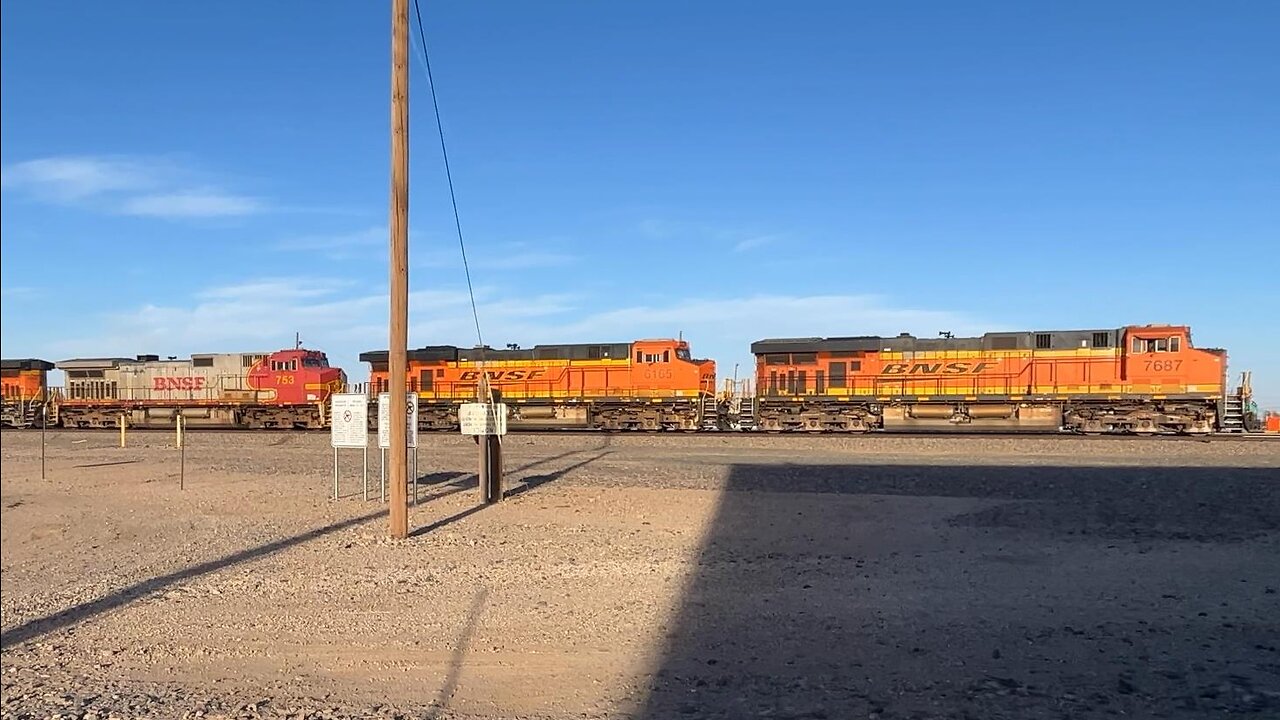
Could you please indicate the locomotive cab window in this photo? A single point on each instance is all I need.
(1175, 344)
(683, 354)
(1153, 345)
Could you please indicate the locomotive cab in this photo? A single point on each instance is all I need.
(1160, 359)
(658, 362)
(297, 376)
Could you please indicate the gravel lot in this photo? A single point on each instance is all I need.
(644, 577)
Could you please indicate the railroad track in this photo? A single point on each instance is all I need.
(1167, 437)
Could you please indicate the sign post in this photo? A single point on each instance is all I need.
(349, 428)
(411, 436)
(182, 456)
(488, 423)
(44, 422)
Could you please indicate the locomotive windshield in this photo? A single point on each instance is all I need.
(683, 354)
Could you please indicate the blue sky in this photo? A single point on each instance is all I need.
(213, 177)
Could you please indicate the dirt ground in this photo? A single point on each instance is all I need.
(644, 577)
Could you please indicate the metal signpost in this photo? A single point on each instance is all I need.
(384, 440)
(44, 422)
(182, 453)
(349, 428)
(488, 423)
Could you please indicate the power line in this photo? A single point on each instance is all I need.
(457, 220)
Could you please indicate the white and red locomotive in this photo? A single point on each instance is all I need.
(282, 389)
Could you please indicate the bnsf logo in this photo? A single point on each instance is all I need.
(179, 383)
(502, 375)
(951, 368)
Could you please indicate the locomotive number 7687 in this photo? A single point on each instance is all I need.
(1163, 365)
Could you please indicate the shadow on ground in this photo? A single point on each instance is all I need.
(115, 600)
(981, 592)
(522, 485)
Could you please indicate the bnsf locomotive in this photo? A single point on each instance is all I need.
(283, 389)
(25, 392)
(1142, 379)
(641, 385)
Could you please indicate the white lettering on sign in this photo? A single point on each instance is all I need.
(410, 419)
(349, 420)
(483, 418)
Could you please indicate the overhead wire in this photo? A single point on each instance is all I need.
(453, 196)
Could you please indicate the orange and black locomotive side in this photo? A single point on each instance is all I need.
(25, 392)
(641, 385)
(1139, 378)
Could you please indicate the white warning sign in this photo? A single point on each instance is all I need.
(349, 420)
(483, 418)
(384, 419)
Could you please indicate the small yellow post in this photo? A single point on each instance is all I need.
(121, 429)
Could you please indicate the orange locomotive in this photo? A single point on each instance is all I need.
(642, 385)
(1140, 378)
(26, 391)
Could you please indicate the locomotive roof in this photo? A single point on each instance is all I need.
(112, 362)
(453, 353)
(94, 362)
(25, 364)
(906, 342)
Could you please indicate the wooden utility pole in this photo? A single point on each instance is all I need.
(398, 453)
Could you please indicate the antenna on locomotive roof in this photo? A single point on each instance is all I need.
(680, 336)
(297, 341)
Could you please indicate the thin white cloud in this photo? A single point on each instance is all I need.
(274, 289)
(15, 292)
(735, 238)
(505, 256)
(144, 186)
(191, 204)
(69, 178)
(369, 237)
(753, 242)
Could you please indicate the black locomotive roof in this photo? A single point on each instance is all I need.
(452, 353)
(906, 342)
(25, 364)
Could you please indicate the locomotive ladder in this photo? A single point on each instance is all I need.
(746, 412)
(710, 412)
(1233, 414)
